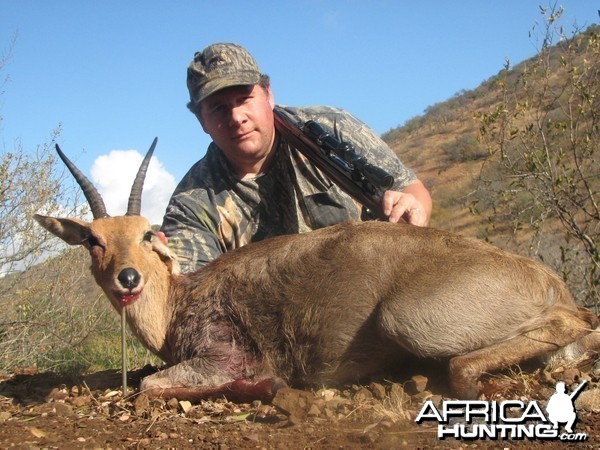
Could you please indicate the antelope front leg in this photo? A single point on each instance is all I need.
(188, 381)
(238, 391)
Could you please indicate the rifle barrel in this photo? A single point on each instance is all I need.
(338, 160)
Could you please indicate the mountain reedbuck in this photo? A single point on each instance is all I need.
(324, 308)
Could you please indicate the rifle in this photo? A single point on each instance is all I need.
(338, 159)
(576, 391)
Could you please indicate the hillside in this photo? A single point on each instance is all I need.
(444, 145)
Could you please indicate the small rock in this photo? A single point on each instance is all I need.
(264, 410)
(344, 408)
(252, 437)
(585, 376)
(110, 393)
(436, 399)
(416, 384)
(378, 390)
(546, 377)
(57, 394)
(326, 394)
(141, 405)
(314, 411)
(567, 375)
(185, 406)
(173, 404)
(336, 403)
(329, 413)
(294, 402)
(62, 409)
(38, 433)
(294, 420)
(80, 401)
(588, 400)
(363, 394)
(422, 396)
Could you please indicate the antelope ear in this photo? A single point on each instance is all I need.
(72, 231)
(166, 255)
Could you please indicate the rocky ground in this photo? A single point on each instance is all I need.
(48, 411)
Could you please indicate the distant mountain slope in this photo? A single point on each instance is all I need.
(442, 144)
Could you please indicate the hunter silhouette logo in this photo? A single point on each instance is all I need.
(561, 406)
(509, 419)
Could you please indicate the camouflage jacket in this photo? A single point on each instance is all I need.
(212, 211)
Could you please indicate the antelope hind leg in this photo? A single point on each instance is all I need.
(560, 328)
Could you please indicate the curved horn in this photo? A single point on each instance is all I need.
(91, 194)
(135, 198)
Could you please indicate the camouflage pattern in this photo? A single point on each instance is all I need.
(219, 66)
(212, 211)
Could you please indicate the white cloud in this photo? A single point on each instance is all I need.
(113, 175)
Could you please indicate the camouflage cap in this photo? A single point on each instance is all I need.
(219, 66)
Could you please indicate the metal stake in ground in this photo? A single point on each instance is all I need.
(123, 352)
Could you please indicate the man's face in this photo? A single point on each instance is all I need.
(240, 121)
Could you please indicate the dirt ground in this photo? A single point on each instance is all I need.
(49, 411)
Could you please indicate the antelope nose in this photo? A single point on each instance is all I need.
(129, 278)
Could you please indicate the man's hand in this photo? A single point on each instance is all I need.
(398, 205)
(412, 205)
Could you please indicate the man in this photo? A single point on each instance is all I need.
(252, 184)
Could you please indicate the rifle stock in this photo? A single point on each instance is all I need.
(360, 179)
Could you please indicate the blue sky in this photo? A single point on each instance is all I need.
(113, 72)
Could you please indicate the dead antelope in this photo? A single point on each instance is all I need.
(323, 308)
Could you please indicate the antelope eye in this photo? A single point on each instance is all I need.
(148, 236)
